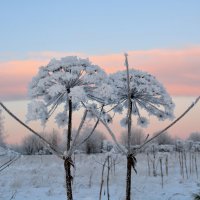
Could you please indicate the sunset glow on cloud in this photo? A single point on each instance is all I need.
(177, 69)
(15, 76)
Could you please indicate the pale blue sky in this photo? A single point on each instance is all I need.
(96, 27)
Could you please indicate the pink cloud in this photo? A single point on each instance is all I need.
(15, 76)
(177, 69)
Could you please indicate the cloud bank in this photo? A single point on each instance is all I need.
(177, 69)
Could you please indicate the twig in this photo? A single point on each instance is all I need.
(58, 153)
(91, 131)
(73, 146)
(9, 163)
(108, 129)
(170, 125)
(102, 180)
(13, 195)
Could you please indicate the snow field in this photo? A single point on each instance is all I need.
(42, 177)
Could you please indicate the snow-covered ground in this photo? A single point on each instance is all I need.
(42, 178)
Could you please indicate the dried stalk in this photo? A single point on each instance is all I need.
(185, 163)
(170, 125)
(149, 171)
(47, 143)
(108, 129)
(166, 165)
(108, 177)
(161, 171)
(129, 159)
(102, 180)
(68, 161)
(129, 102)
(7, 164)
(196, 168)
(73, 145)
(91, 131)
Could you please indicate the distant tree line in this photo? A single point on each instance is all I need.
(96, 143)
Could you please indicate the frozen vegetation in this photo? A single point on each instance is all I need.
(42, 177)
(72, 83)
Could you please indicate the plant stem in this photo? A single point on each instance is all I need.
(67, 163)
(128, 179)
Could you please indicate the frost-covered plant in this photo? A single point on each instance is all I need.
(70, 78)
(146, 93)
(72, 82)
(135, 90)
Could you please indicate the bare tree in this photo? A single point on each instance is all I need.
(95, 142)
(195, 136)
(32, 145)
(165, 138)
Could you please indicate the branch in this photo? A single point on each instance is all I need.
(172, 124)
(91, 131)
(108, 129)
(13, 195)
(57, 152)
(129, 102)
(73, 146)
(10, 162)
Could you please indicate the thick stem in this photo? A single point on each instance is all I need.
(108, 176)
(129, 158)
(128, 178)
(67, 163)
(68, 179)
(69, 132)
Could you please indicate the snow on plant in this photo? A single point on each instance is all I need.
(135, 90)
(70, 81)
(68, 78)
(146, 93)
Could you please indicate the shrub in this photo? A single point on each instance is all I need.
(95, 142)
